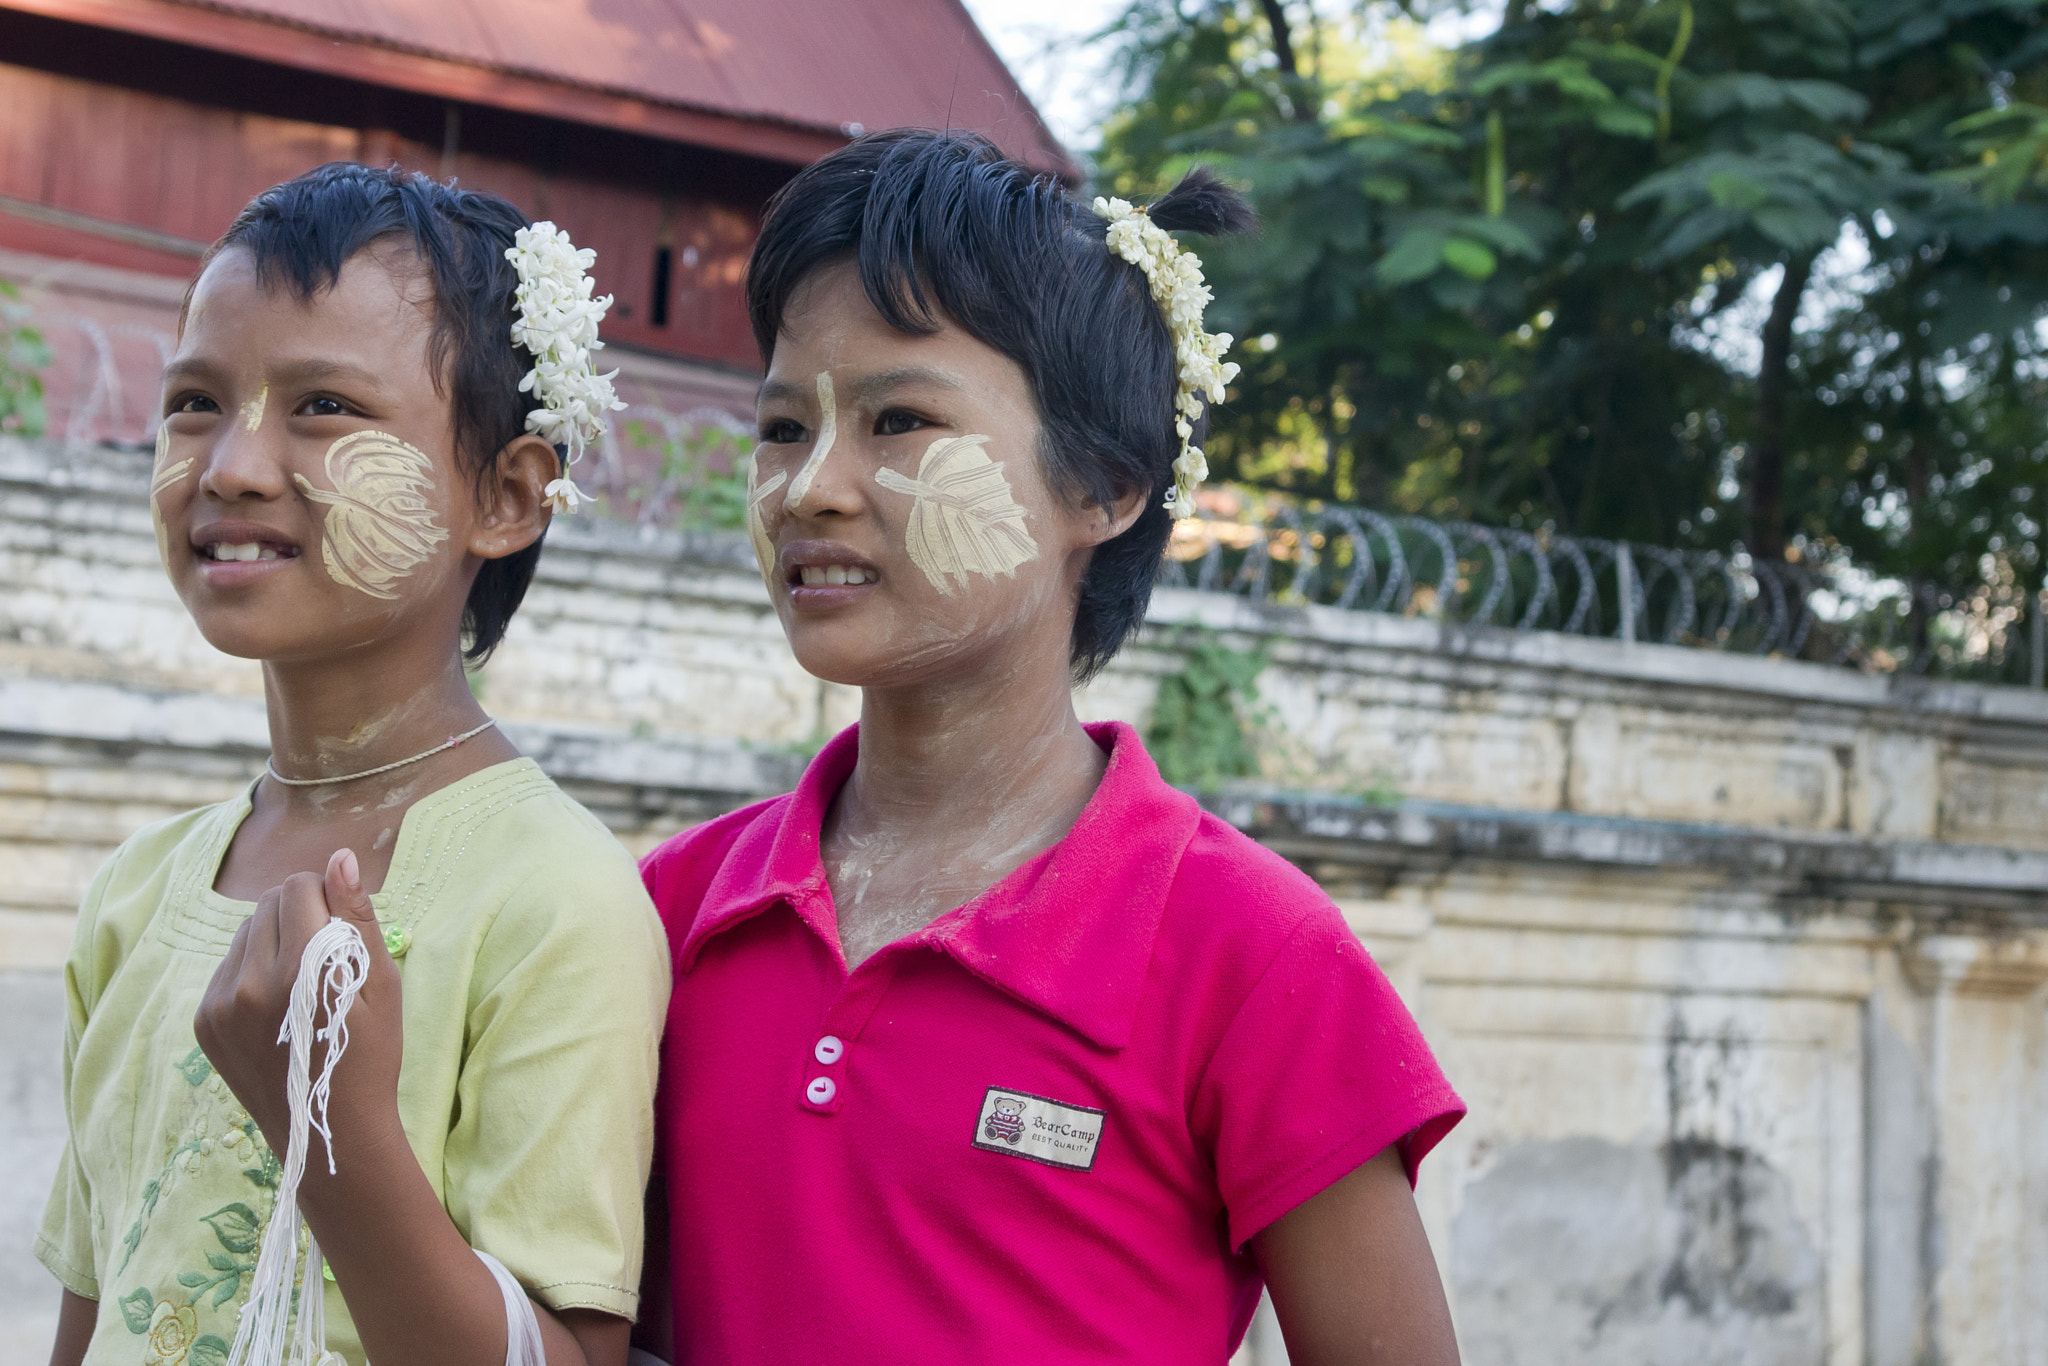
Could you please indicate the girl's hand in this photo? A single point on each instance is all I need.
(244, 1006)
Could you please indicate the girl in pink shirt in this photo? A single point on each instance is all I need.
(986, 1043)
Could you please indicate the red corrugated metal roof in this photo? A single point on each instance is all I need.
(823, 65)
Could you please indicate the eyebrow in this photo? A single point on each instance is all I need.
(886, 381)
(294, 373)
(867, 388)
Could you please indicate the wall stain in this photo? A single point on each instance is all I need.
(1682, 1253)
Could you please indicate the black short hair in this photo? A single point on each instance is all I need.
(942, 225)
(303, 231)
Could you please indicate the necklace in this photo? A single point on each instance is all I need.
(450, 743)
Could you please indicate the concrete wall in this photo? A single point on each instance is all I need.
(1739, 963)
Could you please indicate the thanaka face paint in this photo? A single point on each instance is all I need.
(252, 411)
(966, 520)
(162, 478)
(828, 432)
(380, 524)
(757, 525)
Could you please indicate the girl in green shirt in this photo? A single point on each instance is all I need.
(378, 380)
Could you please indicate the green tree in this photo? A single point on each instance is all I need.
(1920, 446)
(1490, 286)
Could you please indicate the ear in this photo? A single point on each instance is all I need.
(513, 511)
(1111, 520)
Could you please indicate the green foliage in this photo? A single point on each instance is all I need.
(1384, 790)
(703, 472)
(1207, 715)
(1490, 285)
(2010, 145)
(22, 353)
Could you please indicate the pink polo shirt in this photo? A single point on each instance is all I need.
(1041, 1129)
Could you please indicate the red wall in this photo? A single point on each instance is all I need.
(185, 169)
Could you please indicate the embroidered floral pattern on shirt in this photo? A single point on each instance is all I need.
(216, 1130)
(174, 1337)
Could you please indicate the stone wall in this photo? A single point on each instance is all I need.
(1739, 962)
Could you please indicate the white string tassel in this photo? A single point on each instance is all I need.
(331, 973)
(309, 1341)
(522, 1329)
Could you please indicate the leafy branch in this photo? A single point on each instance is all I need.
(23, 352)
(1208, 715)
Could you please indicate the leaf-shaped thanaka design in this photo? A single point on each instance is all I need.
(965, 521)
(828, 432)
(165, 476)
(380, 525)
(757, 526)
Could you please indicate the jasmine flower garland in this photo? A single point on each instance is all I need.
(1175, 276)
(557, 324)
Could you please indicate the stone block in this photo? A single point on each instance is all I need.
(1653, 764)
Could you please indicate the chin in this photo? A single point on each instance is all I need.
(856, 664)
(273, 631)
(884, 654)
(260, 636)
(248, 641)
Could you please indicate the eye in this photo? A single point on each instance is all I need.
(781, 431)
(898, 422)
(194, 403)
(322, 405)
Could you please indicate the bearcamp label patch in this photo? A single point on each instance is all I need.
(1042, 1130)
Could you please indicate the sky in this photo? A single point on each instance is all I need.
(1040, 41)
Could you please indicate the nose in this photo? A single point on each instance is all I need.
(243, 465)
(823, 485)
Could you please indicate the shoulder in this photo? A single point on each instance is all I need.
(133, 880)
(1231, 887)
(513, 800)
(533, 858)
(131, 888)
(681, 870)
(511, 825)
(152, 845)
(1244, 921)
(564, 910)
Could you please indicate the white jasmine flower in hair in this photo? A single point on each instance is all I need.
(562, 495)
(1175, 278)
(556, 322)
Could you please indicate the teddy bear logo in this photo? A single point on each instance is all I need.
(1007, 1122)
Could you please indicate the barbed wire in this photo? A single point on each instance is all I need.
(98, 397)
(1465, 573)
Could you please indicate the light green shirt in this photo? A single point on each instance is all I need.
(536, 981)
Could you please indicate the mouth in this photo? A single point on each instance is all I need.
(223, 552)
(821, 575)
(831, 575)
(231, 552)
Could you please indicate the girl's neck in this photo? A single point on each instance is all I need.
(984, 754)
(339, 716)
(957, 785)
(343, 715)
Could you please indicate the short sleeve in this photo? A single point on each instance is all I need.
(1321, 1069)
(547, 1156)
(64, 1241)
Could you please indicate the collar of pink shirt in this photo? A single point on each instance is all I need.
(1070, 932)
